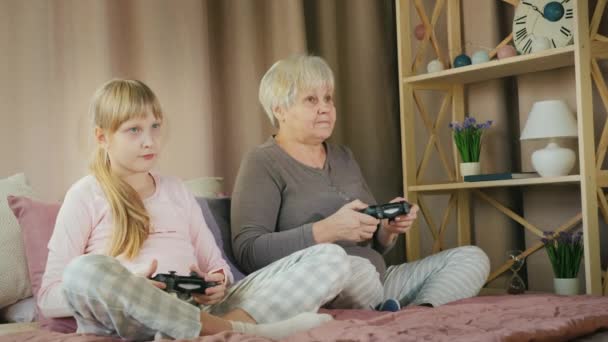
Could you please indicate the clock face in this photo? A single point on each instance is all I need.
(553, 20)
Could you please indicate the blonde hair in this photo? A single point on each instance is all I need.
(114, 103)
(280, 85)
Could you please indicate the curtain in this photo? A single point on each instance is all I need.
(204, 60)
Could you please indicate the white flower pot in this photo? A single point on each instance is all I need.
(566, 286)
(468, 169)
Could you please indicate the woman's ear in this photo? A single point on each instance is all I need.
(279, 115)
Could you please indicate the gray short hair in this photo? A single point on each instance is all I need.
(285, 78)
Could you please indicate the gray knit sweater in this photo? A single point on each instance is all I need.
(277, 199)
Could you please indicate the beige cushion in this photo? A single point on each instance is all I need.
(206, 186)
(14, 282)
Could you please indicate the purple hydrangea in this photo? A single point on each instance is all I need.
(484, 125)
(578, 237)
(565, 250)
(468, 136)
(469, 122)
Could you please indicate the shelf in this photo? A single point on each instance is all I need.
(572, 179)
(540, 61)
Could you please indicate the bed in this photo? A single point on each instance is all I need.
(531, 317)
(538, 317)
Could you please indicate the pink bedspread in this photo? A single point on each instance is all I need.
(497, 318)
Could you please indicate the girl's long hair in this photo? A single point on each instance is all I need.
(114, 103)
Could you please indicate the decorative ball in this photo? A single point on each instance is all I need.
(506, 52)
(480, 57)
(462, 60)
(434, 66)
(553, 11)
(419, 31)
(540, 43)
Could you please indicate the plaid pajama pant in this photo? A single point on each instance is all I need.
(107, 299)
(437, 279)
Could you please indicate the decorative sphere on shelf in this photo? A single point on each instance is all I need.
(419, 31)
(553, 11)
(540, 43)
(462, 60)
(434, 66)
(506, 52)
(480, 57)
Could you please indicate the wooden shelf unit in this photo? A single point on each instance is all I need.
(540, 61)
(589, 46)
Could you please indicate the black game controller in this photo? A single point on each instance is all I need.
(388, 210)
(184, 286)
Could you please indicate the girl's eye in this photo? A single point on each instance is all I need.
(134, 129)
(156, 126)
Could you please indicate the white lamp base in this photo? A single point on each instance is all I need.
(553, 160)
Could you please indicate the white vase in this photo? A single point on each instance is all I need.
(553, 160)
(468, 169)
(566, 286)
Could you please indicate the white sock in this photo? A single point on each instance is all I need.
(277, 330)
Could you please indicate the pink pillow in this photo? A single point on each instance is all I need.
(37, 221)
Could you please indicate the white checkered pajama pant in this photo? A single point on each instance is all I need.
(107, 299)
(437, 279)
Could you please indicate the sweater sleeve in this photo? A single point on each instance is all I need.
(256, 201)
(69, 240)
(208, 255)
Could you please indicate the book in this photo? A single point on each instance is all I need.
(499, 176)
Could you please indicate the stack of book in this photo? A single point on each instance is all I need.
(499, 176)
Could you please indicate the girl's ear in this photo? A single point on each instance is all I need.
(100, 136)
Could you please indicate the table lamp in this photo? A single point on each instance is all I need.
(549, 120)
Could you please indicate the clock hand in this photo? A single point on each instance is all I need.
(535, 8)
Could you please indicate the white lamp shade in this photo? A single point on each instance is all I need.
(549, 119)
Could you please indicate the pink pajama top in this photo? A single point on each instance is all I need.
(179, 237)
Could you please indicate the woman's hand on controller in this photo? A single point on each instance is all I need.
(150, 272)
(401, 224)
(346, 224)
(212, 295)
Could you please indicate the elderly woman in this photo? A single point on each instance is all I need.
(297, 190)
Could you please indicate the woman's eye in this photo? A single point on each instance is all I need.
(328, 98)
(311, 99)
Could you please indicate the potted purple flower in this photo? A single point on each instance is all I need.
(468, 137)
(565, 251)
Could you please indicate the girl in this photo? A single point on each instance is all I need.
(123, 223)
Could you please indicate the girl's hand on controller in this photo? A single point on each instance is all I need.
(213, 295)
(149, 272)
